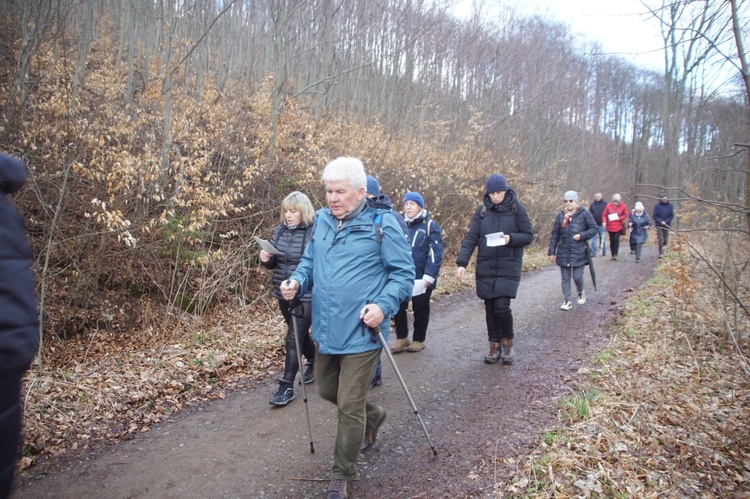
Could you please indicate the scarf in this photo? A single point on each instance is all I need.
(567, 216)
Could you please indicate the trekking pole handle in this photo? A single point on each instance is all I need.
(295, 305)
(374, 331)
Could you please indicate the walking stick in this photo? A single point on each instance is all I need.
(296, 309)
(375, 331)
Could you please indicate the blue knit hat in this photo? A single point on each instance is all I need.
(373, 187)
(496, 183)
(414, 196)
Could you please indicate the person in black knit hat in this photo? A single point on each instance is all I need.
(499, 230)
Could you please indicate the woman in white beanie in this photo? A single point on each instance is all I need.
(639, 222)
(569, 247)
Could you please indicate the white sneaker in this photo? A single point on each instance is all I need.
(566, 306)
(581, 298)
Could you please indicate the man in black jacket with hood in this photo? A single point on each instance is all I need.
(19, 325)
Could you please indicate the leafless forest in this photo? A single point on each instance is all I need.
(161, 135)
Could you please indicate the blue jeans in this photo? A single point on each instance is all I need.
(602, 244)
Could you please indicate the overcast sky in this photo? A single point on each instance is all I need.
(623, 27)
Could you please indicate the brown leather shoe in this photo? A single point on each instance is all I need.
(400, 345)
(507, 348)
(372, 434)
(494, 355)
(415, 346)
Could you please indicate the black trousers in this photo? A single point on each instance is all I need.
(291, 363)
(614, 243)
(499, 318)
(420, 305)
(10, 431)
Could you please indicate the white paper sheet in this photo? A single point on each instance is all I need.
(613, 216)
(267, 247)
(420, 286)
(495, 239)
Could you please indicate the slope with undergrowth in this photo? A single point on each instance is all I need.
(663, 410)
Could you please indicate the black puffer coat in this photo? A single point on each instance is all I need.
(291, 243)
(498, 267)
(19, 325)
(572, 253)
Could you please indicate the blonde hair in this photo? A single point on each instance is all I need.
(301, 202)
(616, 197)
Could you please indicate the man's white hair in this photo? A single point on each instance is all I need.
(346, 168)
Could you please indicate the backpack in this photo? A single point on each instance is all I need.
(513, 209)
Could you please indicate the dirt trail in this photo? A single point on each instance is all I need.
(480, 417)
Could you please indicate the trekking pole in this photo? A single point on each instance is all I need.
(296, 309)
(375, 331)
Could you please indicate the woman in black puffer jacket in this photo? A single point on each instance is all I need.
(500, 229)
(568, 246)
(290, 239)
(19, 326)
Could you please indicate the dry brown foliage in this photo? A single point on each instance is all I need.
(663, 411)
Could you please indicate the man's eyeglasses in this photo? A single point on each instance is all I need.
(570, 200)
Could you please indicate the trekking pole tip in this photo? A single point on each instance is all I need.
(312, 449)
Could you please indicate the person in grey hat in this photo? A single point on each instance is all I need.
(499, 230)
(568, 245)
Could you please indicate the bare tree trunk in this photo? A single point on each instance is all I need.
(737, 30)
(85, 30)
(167, 88)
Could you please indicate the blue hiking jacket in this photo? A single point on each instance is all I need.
(663, 212)
(426, 240)
(638, 234)
(350, 269)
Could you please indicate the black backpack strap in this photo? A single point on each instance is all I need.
(378, 223)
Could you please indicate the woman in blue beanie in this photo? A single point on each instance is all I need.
(426, 241)
(500, 229)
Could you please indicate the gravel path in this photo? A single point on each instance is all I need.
(482, 418)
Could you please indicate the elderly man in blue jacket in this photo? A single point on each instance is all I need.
(19, 325)
(362, 268)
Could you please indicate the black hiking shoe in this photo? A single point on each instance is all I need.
(376, 380)
(372, 434)
(338, 489)
(283, 395)
(309, 375)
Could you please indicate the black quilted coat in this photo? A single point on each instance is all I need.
(291, 242)
(571, 253)
(498, 267)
